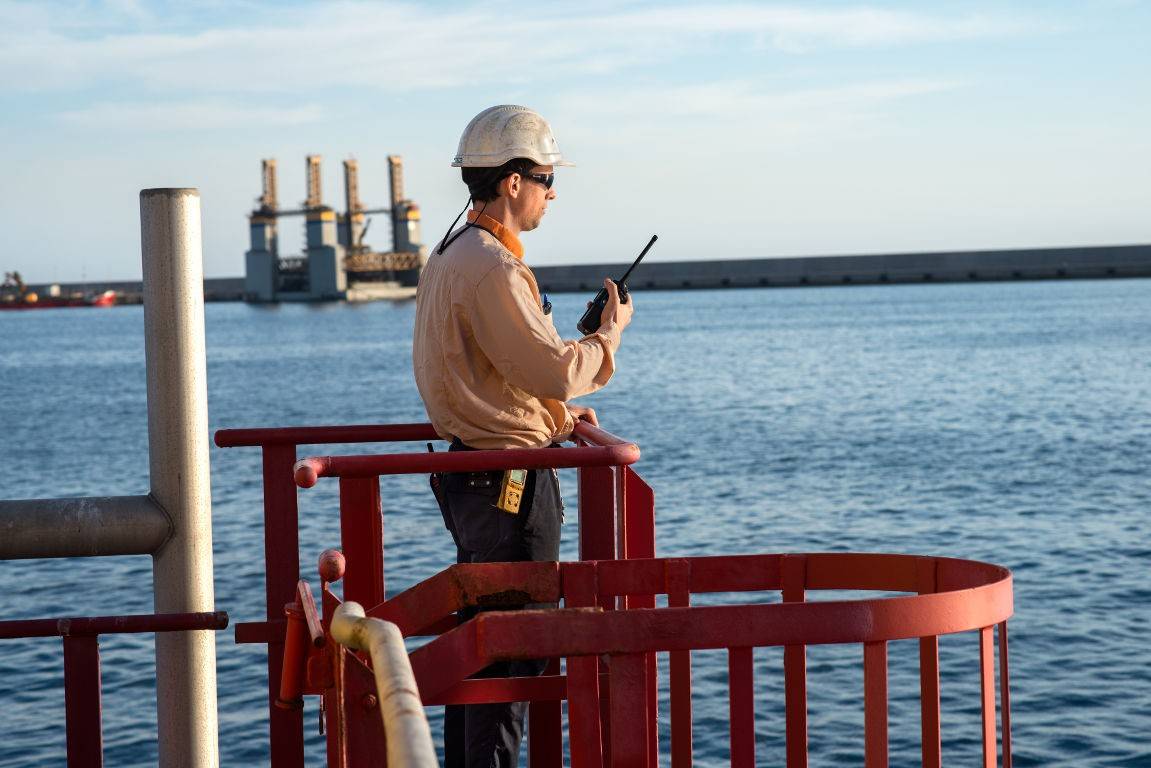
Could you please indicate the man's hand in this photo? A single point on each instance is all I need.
(579, 413)
(614, 311)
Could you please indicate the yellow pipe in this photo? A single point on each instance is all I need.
(405, 723)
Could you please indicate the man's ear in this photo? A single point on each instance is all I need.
(513, 185)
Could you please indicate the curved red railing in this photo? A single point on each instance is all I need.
(972, 595)
(957, 596)
(610, 669)
(984, 600)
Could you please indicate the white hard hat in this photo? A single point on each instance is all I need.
(503, 133)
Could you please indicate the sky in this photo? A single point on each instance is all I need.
(731, 129)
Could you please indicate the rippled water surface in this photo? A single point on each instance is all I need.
(1000, 422)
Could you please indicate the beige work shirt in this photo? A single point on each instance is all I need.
(489, 364)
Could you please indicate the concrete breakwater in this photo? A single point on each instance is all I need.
(943, 267)
(1109, 261)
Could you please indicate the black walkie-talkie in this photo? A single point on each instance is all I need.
(589, 323)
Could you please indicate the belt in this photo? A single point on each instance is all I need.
(486, 479)
(458, 445)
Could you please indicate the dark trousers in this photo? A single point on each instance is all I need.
(488, 735)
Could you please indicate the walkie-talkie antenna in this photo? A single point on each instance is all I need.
(639, 258)
(590, 321)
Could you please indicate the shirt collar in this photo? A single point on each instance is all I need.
(498, 231)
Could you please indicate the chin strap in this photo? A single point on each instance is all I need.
(494, 176)
(445, 242)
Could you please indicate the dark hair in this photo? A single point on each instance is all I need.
(483, 183)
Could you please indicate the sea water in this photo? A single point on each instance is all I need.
(1006, 422)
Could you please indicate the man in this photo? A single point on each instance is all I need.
(493, 374)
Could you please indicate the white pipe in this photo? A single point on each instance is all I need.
(81, 527)
(178, 467)
(405, 722)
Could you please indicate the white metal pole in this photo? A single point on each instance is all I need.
(178, 465)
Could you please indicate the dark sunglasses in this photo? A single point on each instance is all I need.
(547, 179)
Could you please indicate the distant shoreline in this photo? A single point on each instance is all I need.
(1090, 262)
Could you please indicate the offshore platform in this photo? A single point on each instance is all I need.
(337, 263)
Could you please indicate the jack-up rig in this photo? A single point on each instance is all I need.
(337, 264)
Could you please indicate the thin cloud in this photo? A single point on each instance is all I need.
(795, 28)
(778, 113)
(399, 47)
(187, 116)
(743, 97)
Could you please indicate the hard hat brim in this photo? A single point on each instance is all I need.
(472, 162)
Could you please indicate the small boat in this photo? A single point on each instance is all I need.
(14, 294)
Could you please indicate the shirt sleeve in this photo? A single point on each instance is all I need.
(522, 344)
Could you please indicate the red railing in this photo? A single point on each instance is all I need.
(609, 719)
(81, 640)
(610, 630)
(954, 596)
(282, 550)
(617, 520)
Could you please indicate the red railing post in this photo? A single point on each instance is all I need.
(282, 570)
(295, 659)
(741, 702)
(82, 701)
(636, 502)
(875, 704)
(545, 728)
(794, 583)
(364, 741)
(597, 541)
(987, 694)
(635, 510)
(584, 733)
(629, 724)
(677, 577)
(932, 745)
(362, 539)
(619, 479)
(597, 524)
(331, 701)
(1004, 696)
